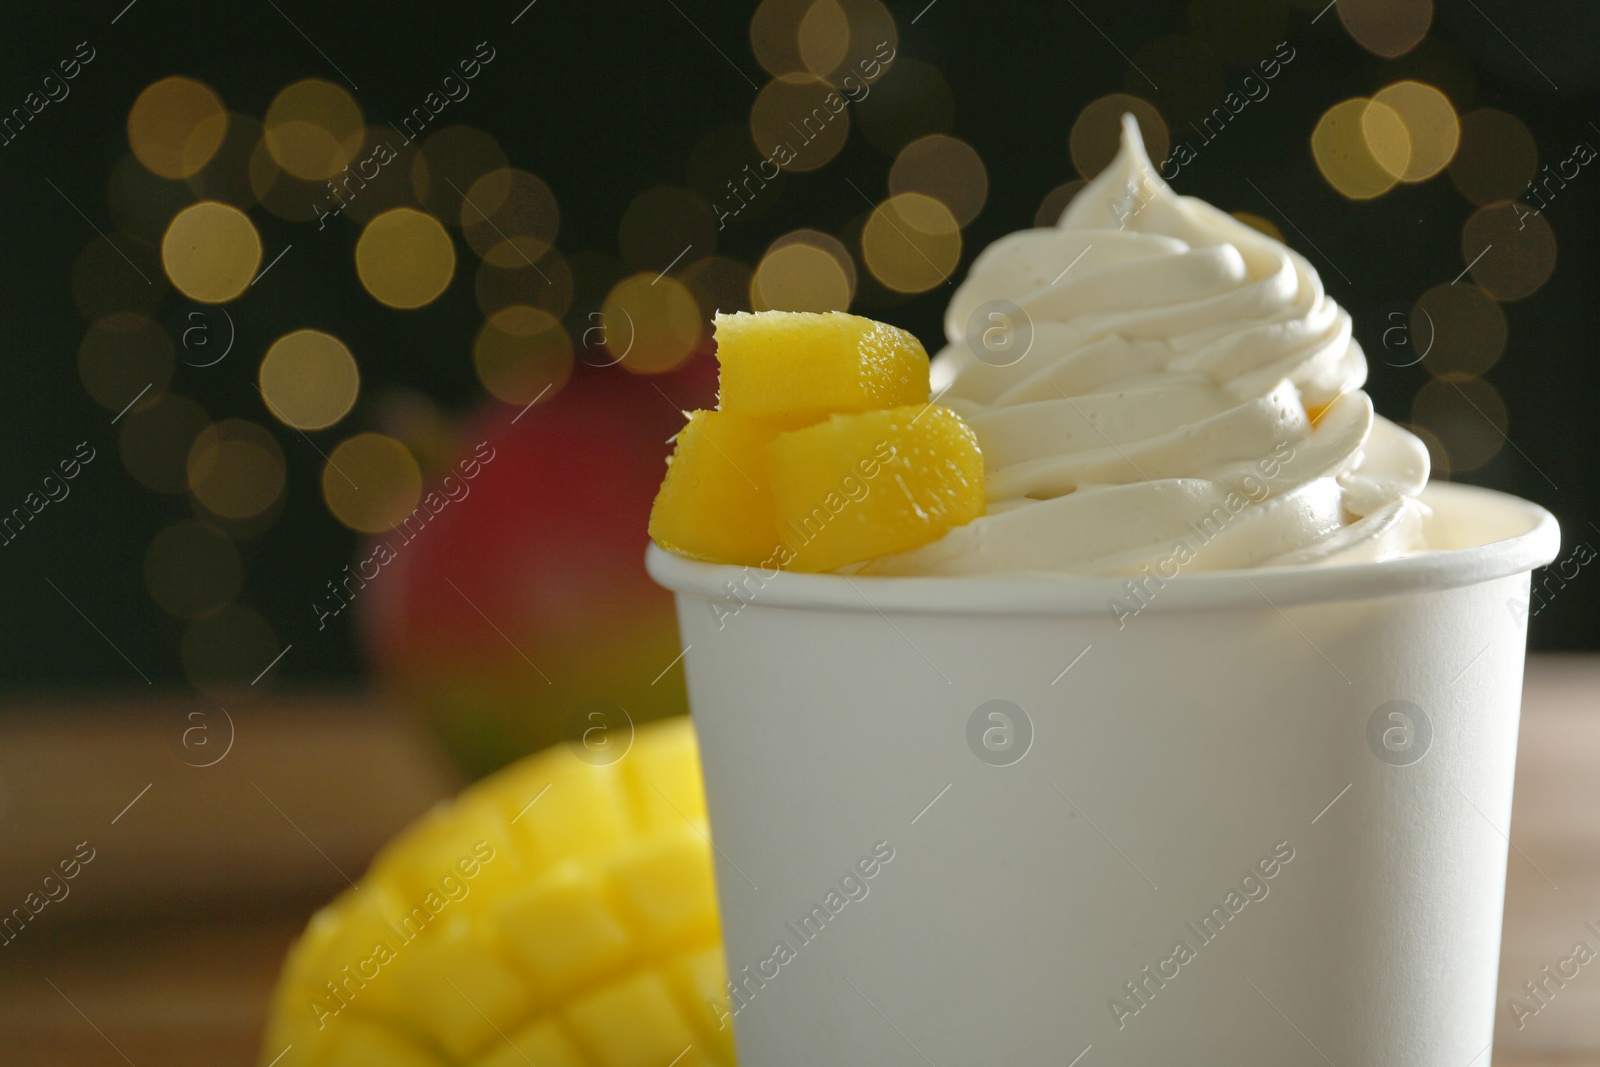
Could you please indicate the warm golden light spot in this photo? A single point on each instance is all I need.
(823, 37)
(775, 35)
(1497, 157)
(718, 283)
(910, 99)
(449, 163)
(155, 442)
(211, 252)
(103, 282)
(911, 243)
(405, 258)
(1097, 132)
(309, 380)
(1387, 28)
(1457, 329)
(192, 570)
(1467, 416)
(799, 121)
(1432, 128)
(1256, 222)
(288, 197)
(800, 276)
(226, 176)
(664, 226)
(1511, 249)
(945, 168)
(235, 469)
(1361, 148)
(225, 652)
(371, 483)
(651, 323)
(175, 126)
(546, 285)
(523, 355)
(510, 217)
(313, 129)
(1055, 203)
(1387, 138)
(125, 359)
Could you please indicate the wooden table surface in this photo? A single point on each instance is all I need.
(165, 952)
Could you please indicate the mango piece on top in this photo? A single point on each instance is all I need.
(801, 367)
(861, 486)
(716, 501)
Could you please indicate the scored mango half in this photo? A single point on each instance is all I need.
(801, 367)
(824, 450)
(557, 913)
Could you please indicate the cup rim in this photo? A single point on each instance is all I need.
(1063, 594)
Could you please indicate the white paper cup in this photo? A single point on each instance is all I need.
(1332, 746)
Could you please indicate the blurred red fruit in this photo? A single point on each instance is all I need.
(525, 602)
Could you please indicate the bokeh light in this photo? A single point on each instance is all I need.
(662, 225)
(911, 243)
(449, 163)
(405, 258)
(804, 271)
(522, 355)
(839, 39)
(510, 217)
(1256, 222)
(1097, 132)
(1466, 415)
(945, 168)
(775, 35)
(235, 469)
(155, 442)
(1361, 148)
(718, 283)
(381, 178)
(288, 197)
(545, 284)
(211, 252)
(1460, 328)
(1497, 157)
(226, 177)
(793, 124)
(1511, 250)
(117, 273)
(1387, 28)
(371, 482)
(313, 129)
(309, 379)
(1432, 129)
(651, 322)
(192, 570)
(225, 652)
(1055, 202)
(176, 125)
(912, 99)
(125, 359)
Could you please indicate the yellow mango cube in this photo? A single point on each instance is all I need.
(635, 1023)
(460, 991)
(806, 366)
(665, 889)
(352, 1041)
(561, 929)
(716, 501)
(700, 980)
(665, 779)
(544, 1044)
(861, 486)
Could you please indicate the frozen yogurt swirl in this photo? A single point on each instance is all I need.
(1156, 384)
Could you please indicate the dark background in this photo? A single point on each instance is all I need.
(604, 100)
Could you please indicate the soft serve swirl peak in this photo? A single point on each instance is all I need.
(1190, 399)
